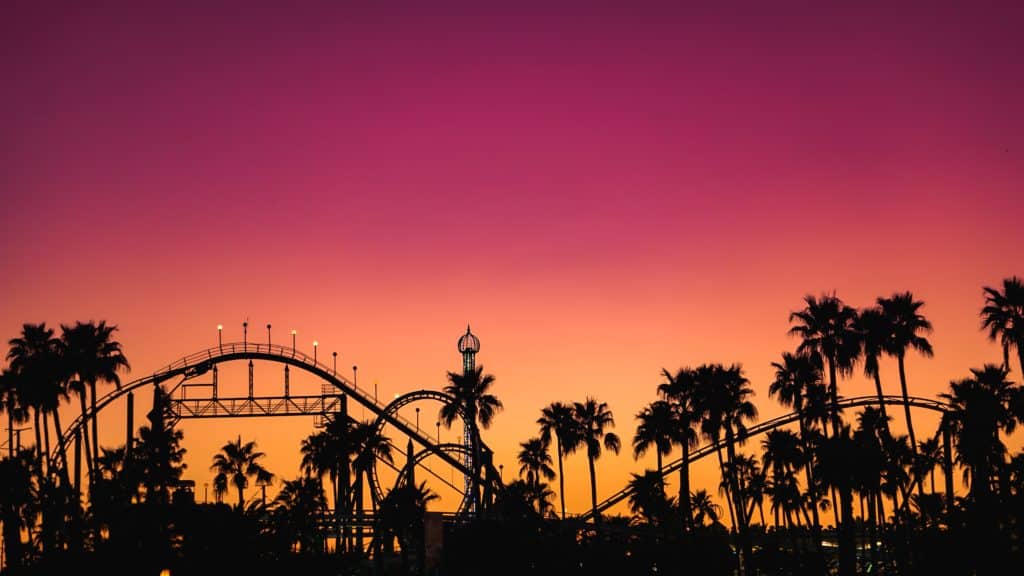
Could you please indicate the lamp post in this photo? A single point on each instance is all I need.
(417, 419)
(438, 424)
(293, 341)
(355, 376)
(268, 337)
(315, 344)
(220, 335)
(335, 355)
(245, 334)
(501, 472)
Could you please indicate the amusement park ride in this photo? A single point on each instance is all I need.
(187, 394)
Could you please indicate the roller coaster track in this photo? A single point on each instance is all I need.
(761, 428)
(201, 362)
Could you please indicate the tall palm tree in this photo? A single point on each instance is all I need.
(593, 419)
(876, 329)
(795, 377)
(908, 329)
(35, 363)
(827, 328)
(91, 356)
(235, 464)
(657, 427)
(557, 419)
(724, 396)
(370, 445)
(679, 390)
(471, 398)
(17, 411)
(930, 451)
(1003, 316)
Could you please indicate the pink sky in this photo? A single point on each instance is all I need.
(602, 191)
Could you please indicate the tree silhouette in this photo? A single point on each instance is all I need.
(593, 418)
(657, 427)
(827, 328)
(907, 325)
(557, 419)
(235, 464)
(1003, 317)
(679, 390)
(91, 356)
(876, 329)
(471, 398)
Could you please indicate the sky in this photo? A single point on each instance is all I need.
(601, 189)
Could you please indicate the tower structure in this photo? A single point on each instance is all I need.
(468, 345)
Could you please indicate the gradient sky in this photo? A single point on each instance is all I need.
(601, 190)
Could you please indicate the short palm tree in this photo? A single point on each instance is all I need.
(534, 461)
(647, 497)
(593, 420)
(235, 464)
(557, 419)
(297, 508)
(1003, 317)
(704, 508)
(656, 428)
(472, 400)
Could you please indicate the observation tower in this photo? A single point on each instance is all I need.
(468, 345)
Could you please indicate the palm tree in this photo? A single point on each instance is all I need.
(535, 463)
(796, 379)
(91, 356)
(827, 328)
(35, 363)
(647, 497)
(17, 492)
(783, 455)
(472, 401)
(370, 445)
(1003, 316)
(680, 391)
(235, 464)
(980, 408)
(297, 508)
(704, 508)
(931, 456)
(557, 419)
(876, 329)
(593, 418)
(907, 325)
(657, 427)
(724, 396)
(17, 412)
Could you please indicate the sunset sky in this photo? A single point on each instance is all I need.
(600, 190)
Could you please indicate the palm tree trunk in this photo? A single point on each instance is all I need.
(847, 553)
(593, 488)
(741, 516)
(63, 451)
(811, 490)
(10, 427)
(39, 436)
(241, 494)
(684, 488)
(84, 425)
(881, 402)
(358, 496)
(561, 475)
(728, 495)
(910, 424)
(46, 437)
(95, 428)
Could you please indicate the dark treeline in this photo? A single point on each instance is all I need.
(835, 491)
